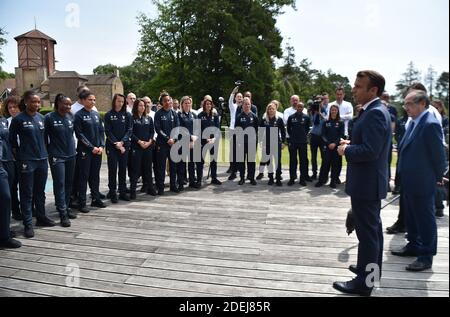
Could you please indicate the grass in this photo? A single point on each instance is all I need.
(224, 155)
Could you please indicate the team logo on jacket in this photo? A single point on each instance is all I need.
(24, 167)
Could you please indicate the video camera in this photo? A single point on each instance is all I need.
(315, 105)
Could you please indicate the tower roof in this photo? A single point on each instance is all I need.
(35, 34)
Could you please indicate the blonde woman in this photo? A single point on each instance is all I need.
(271, 120)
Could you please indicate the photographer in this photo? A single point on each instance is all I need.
(318, 114)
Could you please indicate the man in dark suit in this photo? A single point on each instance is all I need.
(421, 166)
(367, 180)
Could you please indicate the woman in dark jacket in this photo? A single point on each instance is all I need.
(271, 121)
(332, 133)
(59, 137)
(28, 144)
(187, 119)
(211, 127)
(118, 129)
(142, 148)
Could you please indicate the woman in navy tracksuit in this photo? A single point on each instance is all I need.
(90, 133)
(118, 129)
(209, 121)
(62, 154)
(28, 143)
(271, 121)
(187, 118)
(6, 241)
(9, 163)
(142, 148)
(332, 133)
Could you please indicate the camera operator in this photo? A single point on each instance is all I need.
(318, 117)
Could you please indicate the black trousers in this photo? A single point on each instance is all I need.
(316, 145)
(369, 231)
(90, 165)
(182, 171)
(117, 160)
(234, 165)
(62, 174)
(11, 168)
(162, 155)
(332, 161)
(5, 205)
(141, 165)
(298, 151)
(251, 162)
(32, 180)
(212, 164)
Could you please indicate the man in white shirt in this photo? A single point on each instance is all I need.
(295, 100)
(345, 108)
(236, 100)
(131, 98)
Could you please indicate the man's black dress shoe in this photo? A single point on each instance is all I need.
(45, 222)
(98, 204)
(242, 182)
(10, 244)
(352, 268)
(405, 252)
(395, 228)
(418, 266)
(353, 287)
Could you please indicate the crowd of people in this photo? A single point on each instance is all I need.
(140, 140)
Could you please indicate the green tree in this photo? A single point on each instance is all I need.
(202, 47)
(105, 69)
(3, 42)
(304, 81)
(411, 76)
(135, 77)
(430, 80)
(442, 87)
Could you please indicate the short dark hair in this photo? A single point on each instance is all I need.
(163, 95)
(58, 99)
(418, 86)
(81, 88)
(124, 106)
(11, 99)
(26, 97)
(375, 80)
(340, 89)
(85, 94)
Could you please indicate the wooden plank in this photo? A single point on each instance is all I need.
(40, 287)
(11, 293)
(106, 288)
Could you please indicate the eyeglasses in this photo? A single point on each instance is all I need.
(408, 105)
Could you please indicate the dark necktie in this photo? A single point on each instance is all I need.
(410, 130)
(361, 112)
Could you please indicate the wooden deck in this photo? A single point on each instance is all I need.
(220, 241)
